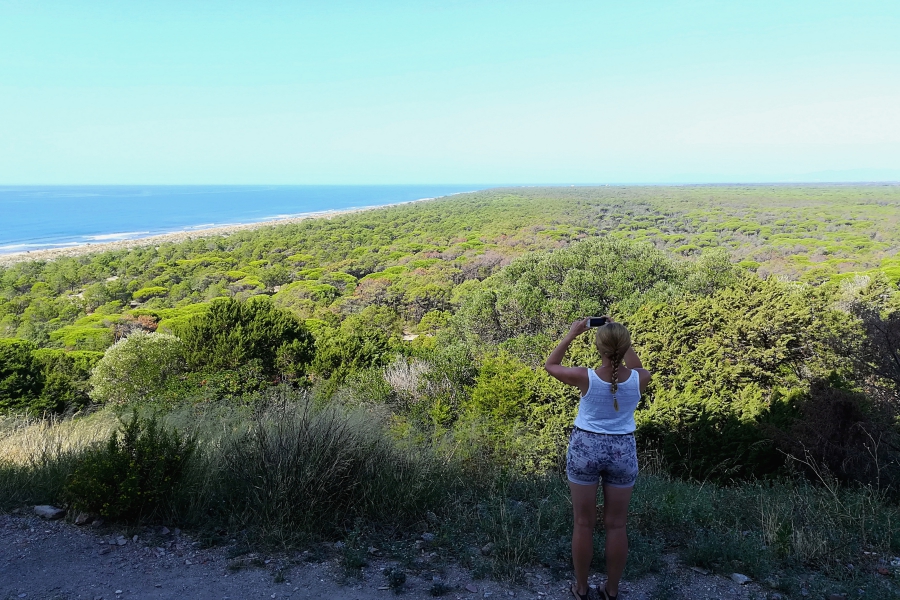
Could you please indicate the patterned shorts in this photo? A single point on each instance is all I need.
(593, 457)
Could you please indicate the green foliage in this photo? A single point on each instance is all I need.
(137, 368)
(727, 367)
(66, 379)
(545, 292)
(362, 341)
(43, 381)
(21, 381)
(134, 475)
(144, 294)
(521, 413)
(231, 335)
(93, 332)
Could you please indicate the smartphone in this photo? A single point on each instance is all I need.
(596, 321)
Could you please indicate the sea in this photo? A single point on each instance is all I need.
(46, 217)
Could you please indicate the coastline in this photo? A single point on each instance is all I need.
(51, 254)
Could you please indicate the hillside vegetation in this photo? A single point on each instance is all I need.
(397, 353)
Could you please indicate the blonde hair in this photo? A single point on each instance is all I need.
(613, 341)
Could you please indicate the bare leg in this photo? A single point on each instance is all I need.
(615, 513)
(584, 505)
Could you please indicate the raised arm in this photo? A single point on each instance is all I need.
(576, 376)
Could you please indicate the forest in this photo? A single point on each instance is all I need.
(399, 351)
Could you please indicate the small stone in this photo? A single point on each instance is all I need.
(84, 518)
(372, 550)
(487, 548)
(699, 570)
(177, 531)
(739, 579)
(134, 539)
(471, 587)
(97, 522)
(187, 562)
(121, 541)
(51, 513)
(118, 591)
(164, 531)
(339, 545)
(428, 537)
(106, 550)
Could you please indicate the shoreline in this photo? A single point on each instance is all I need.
(51, 254)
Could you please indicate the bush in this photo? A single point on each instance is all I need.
(43, 381)
(134, 475)
(840, 432)
(232, 334)
(728, 367)
(137, 367)
(21, 380)
(66, 379)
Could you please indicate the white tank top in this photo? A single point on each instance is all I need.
(596, 411)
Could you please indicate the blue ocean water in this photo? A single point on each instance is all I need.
(41, 217)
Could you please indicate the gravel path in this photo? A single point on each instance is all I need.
(56, 560)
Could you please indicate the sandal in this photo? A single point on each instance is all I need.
(604, 595)
(578, 596)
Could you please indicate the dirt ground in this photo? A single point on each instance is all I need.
(57, 560)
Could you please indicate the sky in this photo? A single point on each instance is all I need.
(488, 92)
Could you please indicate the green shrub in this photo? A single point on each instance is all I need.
(137, 367)
(144, 294)
(21, 380)
(134, 475)
(66, 379)
(727, 368)
(231, 335)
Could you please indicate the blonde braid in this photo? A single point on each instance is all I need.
(614, 380)
(613, 341)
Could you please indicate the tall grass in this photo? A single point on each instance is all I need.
(293, 473)
(37, 456)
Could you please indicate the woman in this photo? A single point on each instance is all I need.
(601, 447)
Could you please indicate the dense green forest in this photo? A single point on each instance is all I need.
(770, 316)
(742, 299)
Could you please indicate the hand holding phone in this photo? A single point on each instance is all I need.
(596, 321)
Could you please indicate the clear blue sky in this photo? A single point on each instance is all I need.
(455, 91)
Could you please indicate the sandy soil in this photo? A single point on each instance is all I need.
(56, 560)
(179, 236)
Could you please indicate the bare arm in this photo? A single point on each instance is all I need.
(576, 376)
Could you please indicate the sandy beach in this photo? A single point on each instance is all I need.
(177, 236)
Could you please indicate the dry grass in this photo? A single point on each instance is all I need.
(26, 440)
